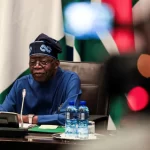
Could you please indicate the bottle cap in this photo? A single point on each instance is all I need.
(71, 103)
(82, 102)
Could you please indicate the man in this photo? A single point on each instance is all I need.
(48, 87)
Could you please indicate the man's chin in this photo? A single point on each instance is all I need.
(39, 79)
(42, 77)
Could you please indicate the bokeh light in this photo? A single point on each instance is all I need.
(85, 20)
(124, 38)
(137, 98)
(143, 65)
(122, 11)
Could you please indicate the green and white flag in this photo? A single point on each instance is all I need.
(92, 50)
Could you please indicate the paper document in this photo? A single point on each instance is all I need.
(48, 126)
(27, 125)
(4, 112)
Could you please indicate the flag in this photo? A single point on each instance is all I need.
(119, 41)
(94, 50)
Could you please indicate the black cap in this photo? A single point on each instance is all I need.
(45, 45)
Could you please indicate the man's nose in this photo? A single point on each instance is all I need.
(37, 64)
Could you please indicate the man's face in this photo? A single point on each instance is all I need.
(42, 67)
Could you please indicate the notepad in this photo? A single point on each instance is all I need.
(48, 127)
(59, 129)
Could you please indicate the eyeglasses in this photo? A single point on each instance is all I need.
(42, 63)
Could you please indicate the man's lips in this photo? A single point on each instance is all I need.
(38, 74)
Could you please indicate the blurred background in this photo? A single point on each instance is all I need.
(113, 32)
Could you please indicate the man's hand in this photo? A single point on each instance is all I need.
(26, 119)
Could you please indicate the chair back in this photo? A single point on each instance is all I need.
(92, 85)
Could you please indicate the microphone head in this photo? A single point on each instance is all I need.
(23, 92)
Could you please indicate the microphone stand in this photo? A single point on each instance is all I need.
(23, 96)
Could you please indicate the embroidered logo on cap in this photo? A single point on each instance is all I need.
(45, 48)
(30, 49)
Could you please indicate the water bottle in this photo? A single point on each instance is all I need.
(71, 121)
(83, 116)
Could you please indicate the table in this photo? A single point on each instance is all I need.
(38, 141)
(42, 141)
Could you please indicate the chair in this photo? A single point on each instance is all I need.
(93, 88)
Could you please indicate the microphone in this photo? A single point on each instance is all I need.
(23, 96)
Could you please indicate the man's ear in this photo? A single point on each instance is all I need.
(57, 63)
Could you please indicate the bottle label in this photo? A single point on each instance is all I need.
(83, 116)
(68, 115)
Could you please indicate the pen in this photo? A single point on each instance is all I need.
(58, 108)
